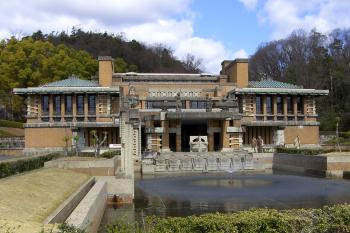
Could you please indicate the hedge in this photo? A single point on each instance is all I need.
(324, 220)
(299, 151)
(111, 153)
(11, 124)
(15, 166)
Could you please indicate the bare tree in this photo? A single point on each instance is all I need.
(192, 64)
(98, 141)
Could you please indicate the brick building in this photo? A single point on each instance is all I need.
(164, 110)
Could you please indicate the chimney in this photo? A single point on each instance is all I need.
(105, 71)
(237, 71)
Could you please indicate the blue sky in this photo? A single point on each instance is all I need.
(230, 22)
(212, 30)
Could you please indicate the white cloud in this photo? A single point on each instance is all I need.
(150, 21)
(212, 52)
(250, 4)
(284, 16)
(240, 54)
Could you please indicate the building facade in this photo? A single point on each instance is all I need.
(165, 110)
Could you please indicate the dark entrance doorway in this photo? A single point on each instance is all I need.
(172, 141)
(217, 144)
(191, 129)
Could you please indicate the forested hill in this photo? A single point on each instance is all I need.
(42, 58)
(130, 55)
(314, 60)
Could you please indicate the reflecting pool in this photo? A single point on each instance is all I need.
(183, 195)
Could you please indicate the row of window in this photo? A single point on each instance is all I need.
(68, 103)
(193, 104)
(279, 104)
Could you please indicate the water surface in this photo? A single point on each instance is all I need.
(184, 195)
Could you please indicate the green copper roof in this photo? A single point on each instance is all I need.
(272, 84)
(72, 81)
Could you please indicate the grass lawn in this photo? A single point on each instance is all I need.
(11, 132)
(27, 199)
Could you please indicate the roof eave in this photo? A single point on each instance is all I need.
(285, 91)
(63, 90)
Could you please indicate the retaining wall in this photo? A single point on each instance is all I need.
(66, 208)
(101, 167)
(11, 152)
(88, 214)
(327, 165)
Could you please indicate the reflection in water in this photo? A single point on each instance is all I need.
(231, 183)
(185, 195)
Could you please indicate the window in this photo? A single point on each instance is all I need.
(92, 104)
(279, 101)
(57, 105)
(154, 104)
(80, 105)
(300, 105)
(258, 105)
(289, 105)
(45, 105)
(269, 105)
(68, 105)
(198, 104)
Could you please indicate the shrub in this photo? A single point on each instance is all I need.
(299, 151)
(15, 166)
(110, 153)
(65, 228)
(11, 124)
(326, 219)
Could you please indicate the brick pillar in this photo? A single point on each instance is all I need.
(165, 136)
(178, 136)
(210, 141)
(225, 136)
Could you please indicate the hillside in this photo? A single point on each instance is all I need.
(131, 55)
(313, 60)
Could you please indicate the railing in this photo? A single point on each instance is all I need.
(279, 117)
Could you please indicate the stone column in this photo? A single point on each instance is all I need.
(74, 106)
(264, 106)
(188, 104)
(279, 137)
(295, 107)
(285, 110)
(51, 107)
(274, 99)
(86, 107)
(178, 136)
(39, 106)
(165, 135)
(62, 108)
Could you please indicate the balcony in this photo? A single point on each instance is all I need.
(154, 130)
(73, 121)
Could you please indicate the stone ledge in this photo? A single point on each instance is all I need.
(66, 208)
(88, 214)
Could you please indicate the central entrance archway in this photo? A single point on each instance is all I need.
(191, 128)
